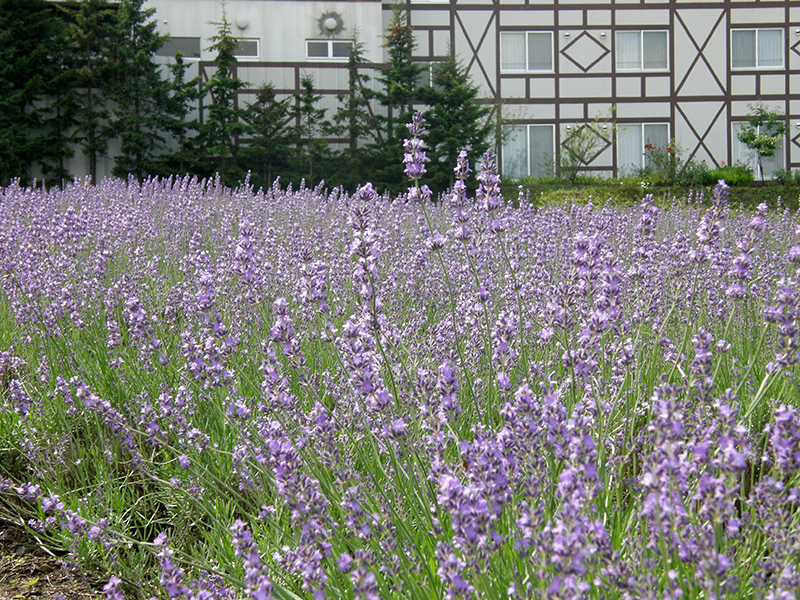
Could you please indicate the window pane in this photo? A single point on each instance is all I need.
(774, 162)
(629, 51)
(246, 48)
(317, 49)
(770, 48)
(540, 52)
(654, 49)
(188, 46)
(743, 48)
(512, 51)
(515, 152)
(656, 136)
(740, 153)
(342, 49)
(629, 149)
(541, 150)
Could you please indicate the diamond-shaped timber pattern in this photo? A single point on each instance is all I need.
(588, 50)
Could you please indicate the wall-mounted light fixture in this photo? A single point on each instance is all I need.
(566, 35)
(602, 34)
(242, 22)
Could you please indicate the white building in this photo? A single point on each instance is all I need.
(671, 69)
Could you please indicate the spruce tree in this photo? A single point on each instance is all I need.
(225, 122)
(138, 92)
(455, 122)
(89, 28)
(32, 46)
(270, 144)
(399, 79)
(180, 102)
(309, 130)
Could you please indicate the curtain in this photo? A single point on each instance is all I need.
(629, 50)
(515, 152)
(770, 47)
(541, 150)
(512, 52)
(629, 149)
(654, 49)
(540, 51)
(743, 48)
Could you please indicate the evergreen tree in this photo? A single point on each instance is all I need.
(89, 28)
(455, 122)
(309, 130)
(138, 92)
(180, 103)
(270, 144)
(355, 121)
(399, 79)
(225, 120)
(32, 45)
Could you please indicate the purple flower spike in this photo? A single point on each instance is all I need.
(488, 194)
(414, 158)
(112, 589)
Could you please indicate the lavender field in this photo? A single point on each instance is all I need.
(215, 393)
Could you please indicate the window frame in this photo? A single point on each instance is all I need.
(330, 57)
(756, 66)
(642, 144)
(641, 68)
(527, 68)
(528, 164)
(161, 54)
(256, 56)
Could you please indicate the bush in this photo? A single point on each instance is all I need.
(733, 175)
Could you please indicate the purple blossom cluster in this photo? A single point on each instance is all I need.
(328, 395)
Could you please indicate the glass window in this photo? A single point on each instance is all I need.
(632, 141)
(740, 153)
(328, 49)
(530, 51)
(187, 46)
(528, 151)
(641, 50)
(756, 48)
(246, 49)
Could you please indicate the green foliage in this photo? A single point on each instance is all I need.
(734, 175)
(309, 130)
(226, 120)
(455, 122)
(764, 132)
(584, 143)
(33, 49)
(178, 105)
(270, 144)
(139, 93)
(90, 27)
(668, 165)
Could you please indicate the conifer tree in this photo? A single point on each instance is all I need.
(32, 46)
(399, 79)
(89, 28)
(455, 122)
(225, 122)
(309, 129)
(179, 105)
(270, 144)
(138, 91)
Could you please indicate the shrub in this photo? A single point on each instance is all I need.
(733, 175)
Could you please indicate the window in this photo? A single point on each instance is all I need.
(246, 49)
(632, 141)
(528, 150)
(756, 48)
(328, 49)
(526, 52)
(189, 47)
(740, 153)
(641, 50)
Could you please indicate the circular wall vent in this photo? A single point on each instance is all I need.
(331, 24)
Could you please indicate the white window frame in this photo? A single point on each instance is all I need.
(528, 164)
(527, 68)
(641, 68)
(756, 65)
(330, 56)
(250, 56)
(621, 168)
(741, 153)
